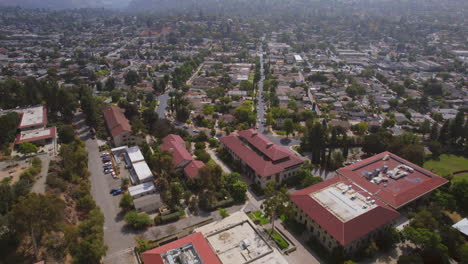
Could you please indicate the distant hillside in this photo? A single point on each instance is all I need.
(63, 4)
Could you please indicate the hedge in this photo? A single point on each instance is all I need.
(164, 219)
(222, 204)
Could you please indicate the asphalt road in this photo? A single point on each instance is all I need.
(117, 237)
(161, 109)
(260, 102)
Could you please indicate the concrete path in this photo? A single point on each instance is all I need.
(40, 184)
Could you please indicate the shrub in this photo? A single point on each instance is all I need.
(279, 240)
(200, 145)
(56, 182)
(223, 213)
(164, 219)
(222, 204)
(137, 221)
(36, 163)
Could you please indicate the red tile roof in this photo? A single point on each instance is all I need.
(176, 146)
(343, 232)
(191, 169)
(264, 145)
(261, 166)
(395, 193)
(116, 121)
(204, 250)
(180, 156)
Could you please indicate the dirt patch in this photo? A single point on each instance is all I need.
(12, 171)
(454, 216)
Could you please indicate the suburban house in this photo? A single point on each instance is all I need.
(260, 159)
(119, 127)
(181, 158)
(362, 200)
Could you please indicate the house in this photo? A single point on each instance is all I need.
(261, 160)
(134, 160)
(337, 212)
(119, 127)
(181, 158)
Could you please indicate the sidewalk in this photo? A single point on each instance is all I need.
(221, 163)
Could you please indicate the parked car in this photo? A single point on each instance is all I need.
(196, 131)
(108, 163)
(106, 160)
(117, 192)
(104, 154)
(114, 175)
(107, 171)
(128, 166)
(107, 167)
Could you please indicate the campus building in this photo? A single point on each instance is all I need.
(33, 126)
(232, 240)
(119, 127)
(181, 158)
(260, 159)
(362, 201)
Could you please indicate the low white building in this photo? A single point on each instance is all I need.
(141, 172)
(142, 189)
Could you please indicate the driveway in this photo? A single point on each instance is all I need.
(117, 237)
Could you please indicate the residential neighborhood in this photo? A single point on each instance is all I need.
(232, 132)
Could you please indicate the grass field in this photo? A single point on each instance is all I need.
(448, 164)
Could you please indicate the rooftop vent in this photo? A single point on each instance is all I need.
(386, 157)
(269, 144)
(254, 133)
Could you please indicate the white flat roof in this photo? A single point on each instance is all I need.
(135, 154)
(32, 115)
(227, 235)
(142, 170)
(343, 202)
(141, 188)
(462, 226)
(37, 134)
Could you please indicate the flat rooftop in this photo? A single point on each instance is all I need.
(32, 116)
(343, 201)
(35, 135)
(393, 179)
(235, 240)
(135, 154)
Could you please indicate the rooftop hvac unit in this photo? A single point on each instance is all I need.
(368, 198)
(364, 207)
(352, 197)
(350, 187)
(372, 202)
(384, 168)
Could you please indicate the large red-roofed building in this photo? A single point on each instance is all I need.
(119, 127)
(261, 160)
(337, 212)
(397, 181)
(362, 200)
(194, 247)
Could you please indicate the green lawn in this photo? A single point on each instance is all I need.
(258, 215)
(448, 164)
(279, 240)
